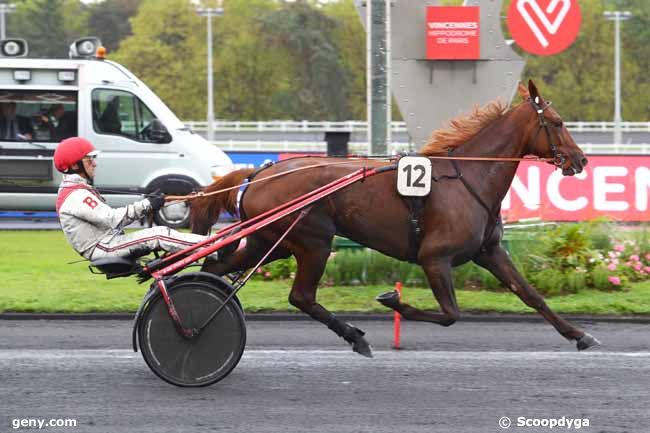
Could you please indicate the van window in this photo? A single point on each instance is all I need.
(121, 113)
(37, 115)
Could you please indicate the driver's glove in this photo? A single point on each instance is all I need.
(157, 200)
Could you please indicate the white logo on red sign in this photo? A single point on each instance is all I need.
(453, 32)
(544, 27)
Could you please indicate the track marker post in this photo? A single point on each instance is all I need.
(396, 319)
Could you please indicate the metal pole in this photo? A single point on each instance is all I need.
(617, 17)
(2, 21)
(379, 93)
(388, 63)
(617, 80)
(210, 89)
(209, 13)
(369, 74)
(5, 8)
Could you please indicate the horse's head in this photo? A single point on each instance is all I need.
(547, 135)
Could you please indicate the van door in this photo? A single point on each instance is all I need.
(120, 128)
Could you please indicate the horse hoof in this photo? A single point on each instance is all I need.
(389, 299)
(587, 341)
(354, 336)
(362, 347)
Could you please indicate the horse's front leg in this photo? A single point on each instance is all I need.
(496, 260)
(439, 276)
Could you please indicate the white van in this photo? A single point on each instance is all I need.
(143, 145)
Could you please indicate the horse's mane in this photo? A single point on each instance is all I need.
(463, 127)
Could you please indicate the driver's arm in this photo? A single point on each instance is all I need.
(88, 207)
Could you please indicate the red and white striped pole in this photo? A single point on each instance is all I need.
(396, 319)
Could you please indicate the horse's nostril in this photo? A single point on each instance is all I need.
(584, 161)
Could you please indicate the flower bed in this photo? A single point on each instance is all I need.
(569, 258)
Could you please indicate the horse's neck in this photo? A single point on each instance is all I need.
(503, 138)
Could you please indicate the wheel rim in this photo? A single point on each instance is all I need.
(175, 214)
(205, 359)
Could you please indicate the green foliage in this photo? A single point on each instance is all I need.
(568, 247)
(75, 21)
(363, 266)
(162, 52)
(316, 69)
(278, 270)
(250, 73)
(567, 259)
(350, 40)
(110, 20)
(48, 37)
(580, 80)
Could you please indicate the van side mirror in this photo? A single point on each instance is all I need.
(158, 133)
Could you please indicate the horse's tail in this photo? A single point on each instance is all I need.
(205, 210)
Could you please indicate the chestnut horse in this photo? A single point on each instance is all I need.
(460, 219)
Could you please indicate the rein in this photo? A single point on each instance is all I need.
(175, 199)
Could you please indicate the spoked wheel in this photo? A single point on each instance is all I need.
(201, 360)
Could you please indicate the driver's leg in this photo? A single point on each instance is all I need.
(142, 242)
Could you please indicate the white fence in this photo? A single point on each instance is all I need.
(362, 126)
(399, 144)
(362, 147)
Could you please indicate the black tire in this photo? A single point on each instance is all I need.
(202, 360)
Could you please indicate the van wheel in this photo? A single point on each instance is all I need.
(176, 215)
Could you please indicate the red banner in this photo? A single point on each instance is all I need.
(616, 187)
(452, 32)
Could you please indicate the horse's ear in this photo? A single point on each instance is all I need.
(523, 91)
(534, 93)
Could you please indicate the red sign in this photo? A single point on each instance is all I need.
(453, 32)
(616, 187)
(544, 27)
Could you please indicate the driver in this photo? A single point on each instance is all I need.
(94, 229)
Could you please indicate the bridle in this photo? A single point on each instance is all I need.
(558, 158)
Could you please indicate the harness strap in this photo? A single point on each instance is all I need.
(416, 214)
(244, 186)
(65, 192)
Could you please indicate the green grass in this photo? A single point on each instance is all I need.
(37, 278)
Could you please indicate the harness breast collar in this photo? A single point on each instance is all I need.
(244, 186)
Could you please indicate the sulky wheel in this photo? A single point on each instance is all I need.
(201, 360)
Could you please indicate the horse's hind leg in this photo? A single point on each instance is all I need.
(497, 261)
(244, 258)
(311, 265)
(439, 276)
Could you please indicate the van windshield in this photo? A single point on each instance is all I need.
(37, 115)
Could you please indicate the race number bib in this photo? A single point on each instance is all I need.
(414, 176)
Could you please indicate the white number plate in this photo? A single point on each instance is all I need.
(414, 176)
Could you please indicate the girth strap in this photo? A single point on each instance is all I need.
(416, 213)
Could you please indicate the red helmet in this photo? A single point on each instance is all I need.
(72, 150)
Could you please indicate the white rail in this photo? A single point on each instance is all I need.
(362, 126)
(362, 147)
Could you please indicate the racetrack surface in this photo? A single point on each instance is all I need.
(298, 377)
